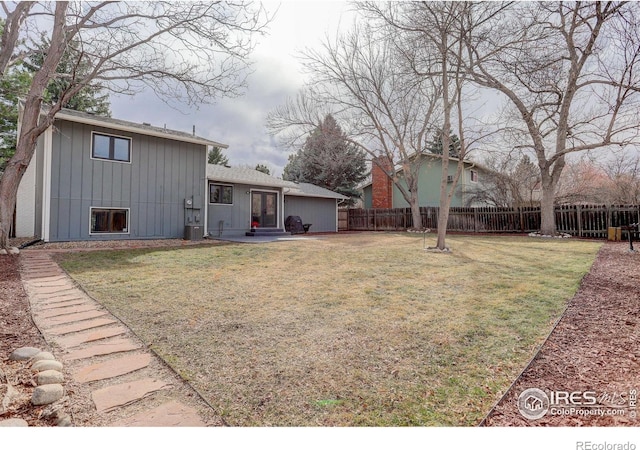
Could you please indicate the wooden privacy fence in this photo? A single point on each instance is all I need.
(577, 220)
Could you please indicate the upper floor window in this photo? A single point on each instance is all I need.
(111, 148)
(474, 176)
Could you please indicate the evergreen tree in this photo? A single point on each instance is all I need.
(263, 168)
(91, 99)
(327, 159)
(15, 84)
(12, 86)
(217, 157)
(435, 145)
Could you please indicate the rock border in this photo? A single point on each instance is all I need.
(47, 381)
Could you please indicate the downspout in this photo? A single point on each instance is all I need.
(206, 193)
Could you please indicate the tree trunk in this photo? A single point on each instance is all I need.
(547, 207)
(32, 125)
(9, 188)
(415, 213)
(443, 213)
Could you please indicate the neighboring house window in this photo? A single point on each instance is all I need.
(109, 220)
(474, 176)
(111, 148)
(220, 193)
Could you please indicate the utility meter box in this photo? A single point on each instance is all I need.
(193, 232)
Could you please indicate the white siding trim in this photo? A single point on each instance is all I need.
(26, 201)
(46, 184)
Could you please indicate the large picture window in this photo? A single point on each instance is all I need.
(109, 220)
(111, 148)
(220, 193)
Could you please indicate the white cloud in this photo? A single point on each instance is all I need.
(240, 122)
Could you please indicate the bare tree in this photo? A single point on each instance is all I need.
(623, 187)
(363, 79)
(189, 52)
(508, 182)
(432, 39)
(570, 71)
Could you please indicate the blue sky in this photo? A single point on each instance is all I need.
(240, 122)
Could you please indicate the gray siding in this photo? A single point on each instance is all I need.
(320, 212)
(235, 218)
(162, 173)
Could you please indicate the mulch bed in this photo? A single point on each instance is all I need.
(594, 348)
(18, 330)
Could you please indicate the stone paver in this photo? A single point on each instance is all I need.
(81, 326)
(172, 414)
(57, 290)
(71, 318)
(106, 348)
(112, 368)
(111, 397)
(56, 300)
(64, 304)
(90, 336)
(50, 282)
(60, 311)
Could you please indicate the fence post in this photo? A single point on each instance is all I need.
(521, 215)
(375, 220)
(579, 217)
(475, 220)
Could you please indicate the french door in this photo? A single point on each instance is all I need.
(264, 209)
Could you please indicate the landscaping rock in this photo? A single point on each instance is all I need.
(8, 394)
(12, 251)
(24, 353)
(13, 423)
(46, 364)
(43, 356)
(49, 377)
(46, 394)
(64, 420)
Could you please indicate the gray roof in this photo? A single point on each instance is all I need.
(123, 125)
(242, 175)
(311, 190)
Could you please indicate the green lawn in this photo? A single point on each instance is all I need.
(360, 329)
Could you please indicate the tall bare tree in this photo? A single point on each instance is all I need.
(363, 79)
(570, 71)
(432, 37)
(189, 52)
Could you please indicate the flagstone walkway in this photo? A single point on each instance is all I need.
(128, 385)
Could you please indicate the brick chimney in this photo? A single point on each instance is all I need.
(381, 183)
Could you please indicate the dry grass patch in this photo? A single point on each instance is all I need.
(364, 329)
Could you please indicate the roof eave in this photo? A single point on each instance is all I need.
(156, 132)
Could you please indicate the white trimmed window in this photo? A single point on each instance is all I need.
(110, 148)
(109, 220)
(474, 176)
(220, 194)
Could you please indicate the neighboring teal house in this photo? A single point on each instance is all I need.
(381, 192)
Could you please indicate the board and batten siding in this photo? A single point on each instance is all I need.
(321, 213)
(153, 186)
